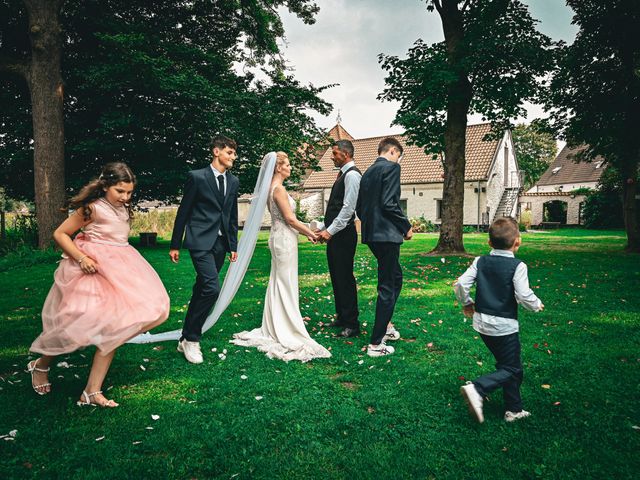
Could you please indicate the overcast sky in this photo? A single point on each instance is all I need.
(343, 45)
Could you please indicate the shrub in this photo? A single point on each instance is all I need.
(159, 221)
(22, 232)
(422, 225)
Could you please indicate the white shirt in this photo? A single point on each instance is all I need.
(351, 189)
(493, 325)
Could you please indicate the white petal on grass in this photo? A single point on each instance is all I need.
(155, 417)
(259, 397)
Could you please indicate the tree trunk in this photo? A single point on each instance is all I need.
(459, 96)
(47, 96)
(631, 160)
(629, 205)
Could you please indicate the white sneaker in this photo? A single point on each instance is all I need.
(392, 334)
(474, 401)
(512, 417)
(380, 350)
(191, 351)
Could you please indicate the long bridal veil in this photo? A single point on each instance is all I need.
(246, 246)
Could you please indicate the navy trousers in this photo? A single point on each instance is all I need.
(508, 374)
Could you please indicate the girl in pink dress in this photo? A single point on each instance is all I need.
(104, 291)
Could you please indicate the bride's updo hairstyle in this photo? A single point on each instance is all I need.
(281, 157)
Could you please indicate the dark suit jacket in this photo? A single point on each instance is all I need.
(378, 204)
(203, 212)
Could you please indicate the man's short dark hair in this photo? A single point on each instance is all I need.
(503, 233)
(220, 141)
(345, 146)
(387, 143)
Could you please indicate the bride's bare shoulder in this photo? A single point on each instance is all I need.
(278, 189)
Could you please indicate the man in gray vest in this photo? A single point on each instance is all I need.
(342, 238)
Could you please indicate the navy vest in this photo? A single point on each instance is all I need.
(336, 200)
(495, 293)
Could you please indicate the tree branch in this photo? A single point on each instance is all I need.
(465, 5)
(438, 5)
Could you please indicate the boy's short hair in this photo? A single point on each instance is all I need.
(387, 143)
(221, 141)
(503, 233)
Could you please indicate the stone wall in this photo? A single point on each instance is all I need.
(537, 206)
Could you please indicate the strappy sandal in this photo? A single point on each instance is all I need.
(87, 401)
(32, 368)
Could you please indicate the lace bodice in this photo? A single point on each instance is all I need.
(278, 221)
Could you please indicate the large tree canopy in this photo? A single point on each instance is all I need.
(594, 96)
(489, 63)
(150, 82)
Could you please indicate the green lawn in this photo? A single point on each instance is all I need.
(350, 416)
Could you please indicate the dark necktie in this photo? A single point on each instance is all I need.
(339, 175)
(221, 184)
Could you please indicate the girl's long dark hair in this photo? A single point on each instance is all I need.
(112, 174)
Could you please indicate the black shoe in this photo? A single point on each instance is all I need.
(349, 332)
(334, 324)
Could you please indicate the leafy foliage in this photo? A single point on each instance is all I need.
(503, 54)
(603, 206)
(535, 150)
(150, 83)
(594, 97)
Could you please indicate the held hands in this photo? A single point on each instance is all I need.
(541, 307)
(88, 264)
(233, 256)
(469, 310)
(174, 254)
(324, 236)
(313, 237)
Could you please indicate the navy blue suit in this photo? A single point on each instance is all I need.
(208, 221)
(383, 227)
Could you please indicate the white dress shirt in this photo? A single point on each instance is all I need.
(351, 189)
(493, 325)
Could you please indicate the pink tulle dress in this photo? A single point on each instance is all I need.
(124, 298)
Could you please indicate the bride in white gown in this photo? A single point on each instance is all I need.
(283, 334)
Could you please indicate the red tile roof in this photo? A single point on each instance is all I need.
(339, 133)
(417, 167)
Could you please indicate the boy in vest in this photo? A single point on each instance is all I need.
(501, 284)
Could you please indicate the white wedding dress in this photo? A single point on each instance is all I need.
(283, 334)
